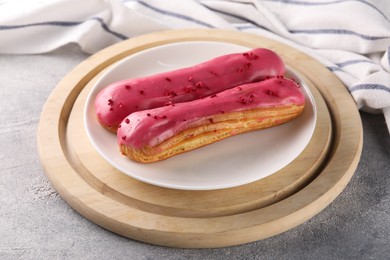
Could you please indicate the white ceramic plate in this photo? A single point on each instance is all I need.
(231, 162)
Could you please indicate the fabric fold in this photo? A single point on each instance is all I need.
(350, 38)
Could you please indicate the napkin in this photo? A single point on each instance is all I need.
(350, 38)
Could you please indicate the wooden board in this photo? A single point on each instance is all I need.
(213, 218)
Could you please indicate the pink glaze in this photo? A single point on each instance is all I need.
(119, 99)
(153, 126)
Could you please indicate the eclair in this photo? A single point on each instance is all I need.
(119, 99)
(157, 134)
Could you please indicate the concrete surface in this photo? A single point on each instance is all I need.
(35, 223)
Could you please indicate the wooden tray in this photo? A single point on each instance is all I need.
(214, 218)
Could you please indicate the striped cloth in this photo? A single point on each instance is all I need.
(350, 37)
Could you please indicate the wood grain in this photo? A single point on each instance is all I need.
(199, 218)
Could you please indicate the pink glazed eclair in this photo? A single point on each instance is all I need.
(122, 98)
(157, 134)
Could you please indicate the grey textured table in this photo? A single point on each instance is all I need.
(35, 223)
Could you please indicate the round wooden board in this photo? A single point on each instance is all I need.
(213, 218)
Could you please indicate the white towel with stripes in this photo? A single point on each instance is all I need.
(350, 37)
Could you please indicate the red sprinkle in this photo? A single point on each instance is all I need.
(247, 65)
(160, 117)
(123, 137)
(251, 98)
(110, 102)
(242, 100)
(269, 92)
(199, 84)
(250, 56)
(141, 92)
(148, 114)
(213, 73)
(111, 108)
(168, 79)
(187, 89)
(238, 88)
(127, 121)
(213, 96)
(127, 86)
(119, 126)
(211, 120)
(170, 93)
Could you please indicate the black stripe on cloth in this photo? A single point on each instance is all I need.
(65, 24)
(339, 32)
(334, 69)
(248, 26)
(324, 31)
(316, 3)
(369, 87)
(351, 62)
(242, 18)
(347, 63)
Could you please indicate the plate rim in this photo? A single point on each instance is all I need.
(124, 60)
